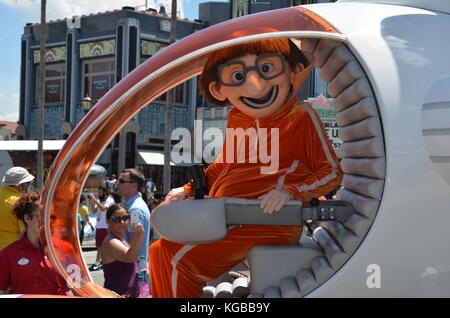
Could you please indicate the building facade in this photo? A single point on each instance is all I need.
(8, 130)
(86, 56)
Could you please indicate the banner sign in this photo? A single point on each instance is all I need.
(328, 116)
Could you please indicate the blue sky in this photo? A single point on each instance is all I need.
(14, 14)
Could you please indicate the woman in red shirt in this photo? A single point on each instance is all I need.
(24, 267)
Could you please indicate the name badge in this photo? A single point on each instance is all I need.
(23, 261)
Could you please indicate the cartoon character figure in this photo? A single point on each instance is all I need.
(260, 80)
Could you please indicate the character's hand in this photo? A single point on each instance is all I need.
(176, 194)
(274, 200)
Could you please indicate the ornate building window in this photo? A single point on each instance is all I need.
(178, 97)
(239, 8)
(98, 77)
(150, 48)
(54, 83)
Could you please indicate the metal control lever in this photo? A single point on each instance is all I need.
(330, 210)
(199, 181)
(242, 211)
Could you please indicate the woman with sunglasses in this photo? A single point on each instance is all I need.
(24, 267)
(120, 257)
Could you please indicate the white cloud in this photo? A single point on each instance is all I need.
(15, 98)
(61, 9)
(10, 117)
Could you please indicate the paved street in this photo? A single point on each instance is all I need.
(89, 254)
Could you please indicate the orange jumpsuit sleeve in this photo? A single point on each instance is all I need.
(313, 149)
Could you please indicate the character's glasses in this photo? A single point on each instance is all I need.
(268, 66)
(118, 219)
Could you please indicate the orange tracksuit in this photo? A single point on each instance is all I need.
(308, 168)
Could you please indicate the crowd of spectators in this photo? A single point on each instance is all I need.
(24, 265)
(118, 214)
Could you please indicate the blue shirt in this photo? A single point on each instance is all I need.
(137, 203)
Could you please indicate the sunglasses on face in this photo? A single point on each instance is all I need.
(118, 219)
(125, 181)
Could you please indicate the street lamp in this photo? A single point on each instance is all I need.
(86, 103)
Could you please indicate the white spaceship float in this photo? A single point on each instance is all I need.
(386, 235)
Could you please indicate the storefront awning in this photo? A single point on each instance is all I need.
(148, 157)
(30, 145)
(151, 157)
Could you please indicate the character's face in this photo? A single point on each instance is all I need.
(257, 85)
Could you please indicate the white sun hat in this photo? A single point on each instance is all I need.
(17, 175)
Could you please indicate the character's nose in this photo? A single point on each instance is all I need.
(254, 83)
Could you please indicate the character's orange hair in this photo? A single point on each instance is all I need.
(282, 45)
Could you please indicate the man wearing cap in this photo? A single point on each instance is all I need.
(16, 181)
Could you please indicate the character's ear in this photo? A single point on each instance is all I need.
(214, 90)
(297, 70)
(300, 74)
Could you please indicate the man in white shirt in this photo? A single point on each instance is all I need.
(112, 182)
(99, 207)
(149, 189)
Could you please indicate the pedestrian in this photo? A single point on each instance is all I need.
(99, 207)
(152, 206)
(116, 197)
(150, 189)
(83, 218)
(112, 182)
(153, 203)
(130, 182)
(119, 257)
(16, 181)
(24, 267)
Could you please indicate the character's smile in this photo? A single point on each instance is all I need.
(263, 101)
